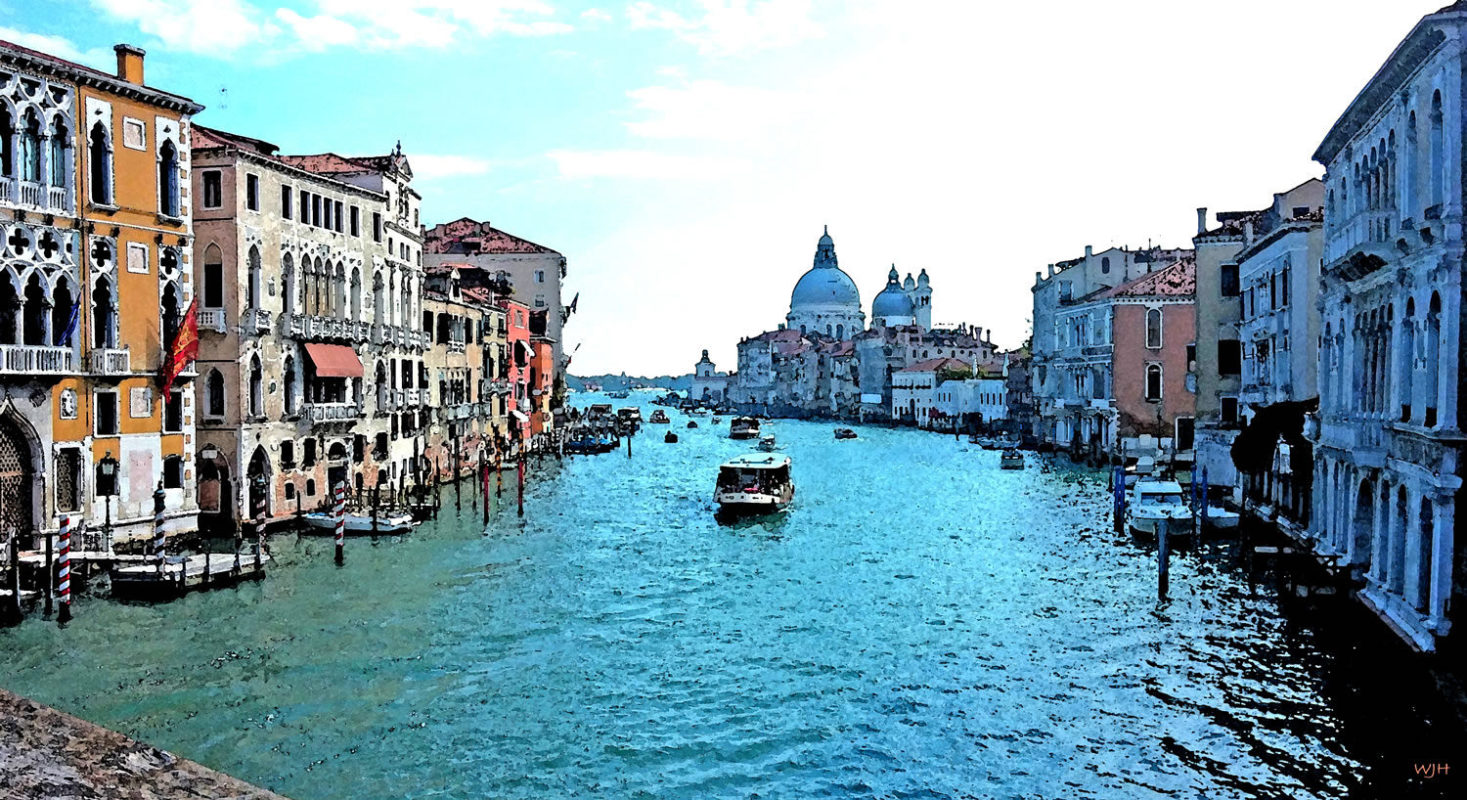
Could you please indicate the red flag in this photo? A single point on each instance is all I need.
(183, 349)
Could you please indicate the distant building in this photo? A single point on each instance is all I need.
(709, 385)
(1154, 325)
(825, 299)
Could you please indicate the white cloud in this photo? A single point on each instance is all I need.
(319, 32)
(59, 46)
(712, 110)
(642, 164)
(730, 27)
(595, 15)
(429, 167)
(206, 27)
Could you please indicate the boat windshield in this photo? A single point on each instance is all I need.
(753, 481)
(1167, 499)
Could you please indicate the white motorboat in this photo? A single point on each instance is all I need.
(1156, 505)
(754, 484)
(358, 524)
(1221, 518)
(743, 428)
(767, 443)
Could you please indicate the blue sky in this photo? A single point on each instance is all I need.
(684, 155)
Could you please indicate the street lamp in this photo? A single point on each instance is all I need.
(107, 468)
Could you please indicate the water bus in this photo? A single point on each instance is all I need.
(754, 484)
(1011, 459)
(743, 428)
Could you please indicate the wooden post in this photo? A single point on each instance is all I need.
(376, 507)
(629, 442)
(13, 579)
(238, 543)
(1118, 487)
(520, 471)
(50, 570)
(458, 484)
(340, 510)
(158, 537)
(1163, 561)
(1204, 497)
(484, 486)
(208, 563)
(498, 478)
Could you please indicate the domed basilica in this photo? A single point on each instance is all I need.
(826, 300)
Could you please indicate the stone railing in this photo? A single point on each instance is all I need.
(30, 194)
(26, 359)
(56, 198)
(257, 320)
(111, 361)
(7, 190)
(316, 413)
(213, 319)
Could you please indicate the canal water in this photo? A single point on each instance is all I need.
(920, 624)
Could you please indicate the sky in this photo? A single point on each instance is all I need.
(684, 156)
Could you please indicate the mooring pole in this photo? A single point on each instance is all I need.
(1163, 561)
(1118, 487)
(458, 484)
(50, 571)
(376, 507)
(520, 471)
(1204, 497)
(14, 577)
(63, 571)
(340, 523)
(484, 486)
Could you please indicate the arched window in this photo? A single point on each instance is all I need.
(802, 330)
(30, 148)
(840, 331)
(7, 142)
(171, 313)
(56, 155)
(168, 180)
(1407, 345)
(213, 277)
(339, 291)
(63, 307)
(37, 308)
(287, 296)
(10, 308)
(1153, 383)
(99, 166)
(379, 302)
(1438, 162)
(1432, 332)
(1153, 328)
(356, 294)
(252, 282)
(382, 387)
(290, 385)
(1105, 265)
(214, 388)
(104, 313)
(257, 388)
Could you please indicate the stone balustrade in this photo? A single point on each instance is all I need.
(26, 359)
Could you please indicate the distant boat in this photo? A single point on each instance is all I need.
(659, 417)
(388, 522)
(692, 424)
(619, 395)
(754, 484)
(670, 438)
(844, 433)
(767, 443)
(743, 428)
(1011, 459)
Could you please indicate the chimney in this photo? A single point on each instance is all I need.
(1202, 220)
(1089, 251)
(1051, 270)
(130, 63)
(1248, 233)
(1038, 276)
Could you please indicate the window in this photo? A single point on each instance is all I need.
(376, 226)
(99, 163)
(1105, 265)
(356, 221)
(1229, 280)
(316, 210)
(285, 198)
(56, 158)
(257, 388)
(1229, 357)
(1153, 328)
(173, 412)
(168, 181)
(1153, 383)
(336, 215)
(1284, 286)
(214, 394)
(173, 472)
(305, 207)
(326, 214)
(68, 479)
(310, 487)
(1192, 357)
(105, 403)
(287, 455)
(289, 490)
(1229, 410)
(252, 192)
(308, 457)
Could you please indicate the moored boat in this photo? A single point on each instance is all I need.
(844, 433)
(754, 484)
(360, 523)
(659, 417)
(743, 428)
(767, 443)
(670, 438)
(1011, 459)
(1156, 505)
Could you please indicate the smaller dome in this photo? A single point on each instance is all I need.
(910, 284)
(893, 300)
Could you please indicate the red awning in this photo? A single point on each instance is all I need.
(334, 360)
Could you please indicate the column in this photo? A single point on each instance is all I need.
(1442, 546)
(1415, 548)
(1450, 343)
(1379, 543)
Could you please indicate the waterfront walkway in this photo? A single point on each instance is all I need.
(45, 753)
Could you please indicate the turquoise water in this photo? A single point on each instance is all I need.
(921, 624)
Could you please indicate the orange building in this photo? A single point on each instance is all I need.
(97, 234)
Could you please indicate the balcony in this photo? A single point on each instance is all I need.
(213, 319)
(318, 413)
(498, 387)
(30, 194)
(334, 328)
(27, 359)
(56, 198)
(111, 361)
(413, 397)
(257, 320)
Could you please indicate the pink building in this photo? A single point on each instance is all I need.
(1154, 334)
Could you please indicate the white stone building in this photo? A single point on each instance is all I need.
(709, 385)
(825, 299)
(1388, 459)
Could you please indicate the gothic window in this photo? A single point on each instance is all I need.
(378, 302)
(30, 148)
(99, 164)
(36, 310)
(7, 135)
(287, 296)
(291, 387)
(63, 308)
(213, 277)
(252, 285)
(257, 388)
(1438, 159)
(168, 180)
(1153, 328)
(170, 314)
(104, 313)
(214, 391)
(56, 156)
(1153, 383)
(339, 293)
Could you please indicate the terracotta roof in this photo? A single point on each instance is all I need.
(1177, 280)
(935, 364)
(464, 236)
(329, 164)
(206, 137)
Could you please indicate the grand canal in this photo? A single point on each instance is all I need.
(921, 624)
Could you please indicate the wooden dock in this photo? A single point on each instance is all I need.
(182, 574)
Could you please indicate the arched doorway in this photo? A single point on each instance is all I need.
(259, 483)
(1364, 522)
(216, 494)
(17, 482)
(336, 466)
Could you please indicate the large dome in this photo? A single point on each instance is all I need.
(892, 301)
(825, 284)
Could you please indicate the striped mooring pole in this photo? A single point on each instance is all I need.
(158, 539)
(63, 571)
(520, 472)
(340, 512)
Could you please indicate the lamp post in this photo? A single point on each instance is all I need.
(107, 468)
